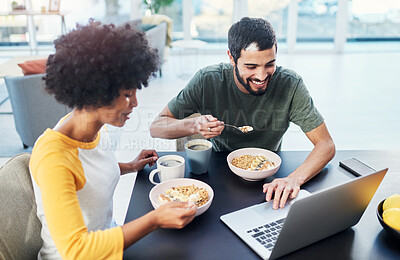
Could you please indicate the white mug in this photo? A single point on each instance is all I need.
(168, 167)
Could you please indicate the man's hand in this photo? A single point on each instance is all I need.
(145, 157)
(282, 188)
(209, 126)
(167, 126)
(322, 153)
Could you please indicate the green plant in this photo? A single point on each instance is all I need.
(15, 6)
(155, 5)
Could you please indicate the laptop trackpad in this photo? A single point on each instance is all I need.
(266, 211)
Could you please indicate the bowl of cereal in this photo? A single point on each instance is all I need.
(253, 164)
(183, 189)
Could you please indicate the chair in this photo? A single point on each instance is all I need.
(157, 40)
(180, 142)
(156, 35)
(34, 110)
(20, 227)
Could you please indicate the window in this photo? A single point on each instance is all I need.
(211, 19)
(373, 20)
(274, 11)
(316, 20)
(368, 20)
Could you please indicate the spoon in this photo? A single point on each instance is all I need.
(244, 129)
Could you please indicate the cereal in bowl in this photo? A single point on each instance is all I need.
(253, 162)
(185, 194)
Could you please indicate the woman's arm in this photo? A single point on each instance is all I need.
(170, 215)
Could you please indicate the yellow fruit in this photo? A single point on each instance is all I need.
(392, 218)
(392, 202)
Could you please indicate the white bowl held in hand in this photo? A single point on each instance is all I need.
(165, 185)
(254, 175)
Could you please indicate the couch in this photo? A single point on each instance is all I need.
(34, 110)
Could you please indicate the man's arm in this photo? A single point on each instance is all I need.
(169, 127)
(323, 152)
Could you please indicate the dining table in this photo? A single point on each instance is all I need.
(207, 237)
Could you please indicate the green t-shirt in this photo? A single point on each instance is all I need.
(213, 91)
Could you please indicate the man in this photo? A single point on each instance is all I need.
(253, 91)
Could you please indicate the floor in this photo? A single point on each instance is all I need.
(356, 92)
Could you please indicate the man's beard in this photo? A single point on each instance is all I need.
(247, 86)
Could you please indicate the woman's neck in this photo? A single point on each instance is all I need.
(82, 125)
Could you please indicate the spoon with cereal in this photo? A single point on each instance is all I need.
(244, 129)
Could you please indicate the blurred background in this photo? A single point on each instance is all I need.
(295, 21)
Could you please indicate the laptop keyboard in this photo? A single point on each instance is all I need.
(267, 234)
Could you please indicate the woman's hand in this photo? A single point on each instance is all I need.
(174, 214)
(171, 215)
(145, 157)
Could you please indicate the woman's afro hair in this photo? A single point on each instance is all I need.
(93, 62)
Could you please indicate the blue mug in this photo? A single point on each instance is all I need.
(198, 152)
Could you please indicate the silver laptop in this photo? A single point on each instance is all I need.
(304, 220)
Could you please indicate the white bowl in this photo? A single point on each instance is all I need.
(165, 185)
(254, 175)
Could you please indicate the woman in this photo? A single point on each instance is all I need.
(95, 70)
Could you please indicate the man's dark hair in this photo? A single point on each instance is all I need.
(93, 62)
(248, 31)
